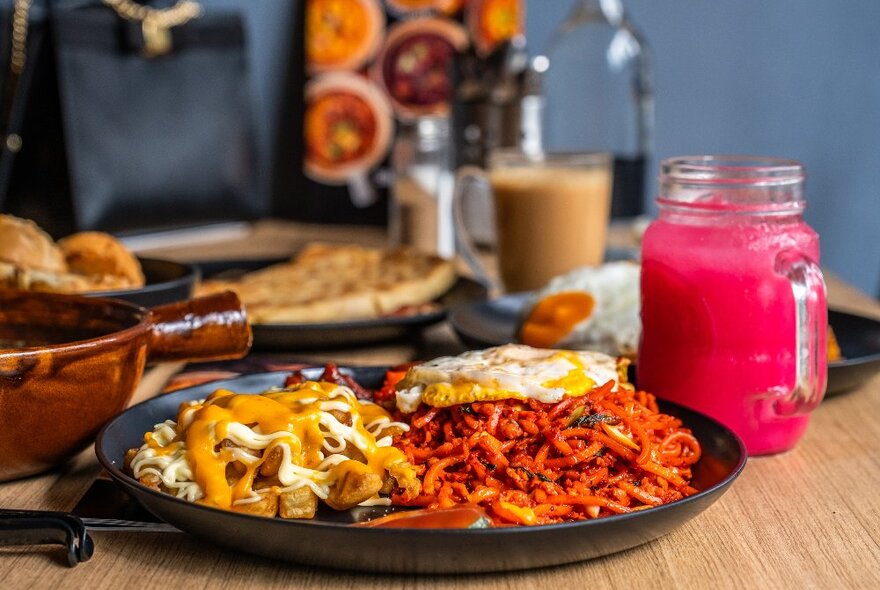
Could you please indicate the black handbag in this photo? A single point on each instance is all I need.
(128, 117)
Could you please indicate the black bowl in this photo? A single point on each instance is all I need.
(859, 340)
(329, 540)
(166, 282)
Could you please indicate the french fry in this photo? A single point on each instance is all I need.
(405, 477)
(388, 485)
(271, 461)
(343, 417)
(357, 483)
(299, 503)
(391, 430)
(266, 506)
(354, 453)
(262, 482)
(152, 481)
(225, 444)
(234, 472)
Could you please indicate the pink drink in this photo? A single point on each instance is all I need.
(719, 312)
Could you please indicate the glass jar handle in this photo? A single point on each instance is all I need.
(465, 178)
(811, 319)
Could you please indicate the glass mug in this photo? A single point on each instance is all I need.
(734, 313)
(551, 214)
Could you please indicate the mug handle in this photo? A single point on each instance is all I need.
(465, 178)
(811, 325)
(360, 191)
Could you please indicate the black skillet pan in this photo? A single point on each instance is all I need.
(328, 540)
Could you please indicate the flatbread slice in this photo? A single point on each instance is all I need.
(332, 282)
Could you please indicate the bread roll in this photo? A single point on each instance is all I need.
(96, 253)
(27, 247)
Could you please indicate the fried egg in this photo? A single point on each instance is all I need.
(512, 371)
(594, 308)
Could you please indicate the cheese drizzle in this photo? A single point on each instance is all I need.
(303, 421)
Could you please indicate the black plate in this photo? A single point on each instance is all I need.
(491, 323)
(328, 541)
(291, 336)
(859, 340)
(166, 282)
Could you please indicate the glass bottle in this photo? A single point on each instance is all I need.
(420, 213)
(598, 95)
(733, 303)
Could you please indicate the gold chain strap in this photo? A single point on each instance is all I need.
(19, 35)
(17, 58)
(156, 23)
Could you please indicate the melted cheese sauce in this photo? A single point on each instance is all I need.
(505, 372)
(191, 461)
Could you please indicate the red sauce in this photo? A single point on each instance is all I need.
(459, 517)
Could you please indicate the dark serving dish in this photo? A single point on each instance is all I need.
(859, 340)
(492, 323)
(299, 336)
(489, 323)
(327, 541)
(166, 282)
(68, 364)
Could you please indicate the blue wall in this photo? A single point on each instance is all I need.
(791, 78)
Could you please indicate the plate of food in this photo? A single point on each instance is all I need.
(598, 308)
(89, 263)
(593, 308)
(348, 127)
(491, 22)
(334, 295)
(342, 35)
(501, 459)
(414, 65)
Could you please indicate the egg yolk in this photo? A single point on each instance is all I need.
(554, 317)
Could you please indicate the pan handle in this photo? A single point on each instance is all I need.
(213, 327)
(38, 527)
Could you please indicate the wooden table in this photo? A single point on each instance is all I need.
(809, 518)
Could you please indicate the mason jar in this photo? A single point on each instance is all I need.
(734, 313)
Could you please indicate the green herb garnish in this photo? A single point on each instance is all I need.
(531, 474)
(592, 420)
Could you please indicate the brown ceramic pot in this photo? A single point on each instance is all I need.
(68, 364)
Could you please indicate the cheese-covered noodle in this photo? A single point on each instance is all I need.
(234, 450)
